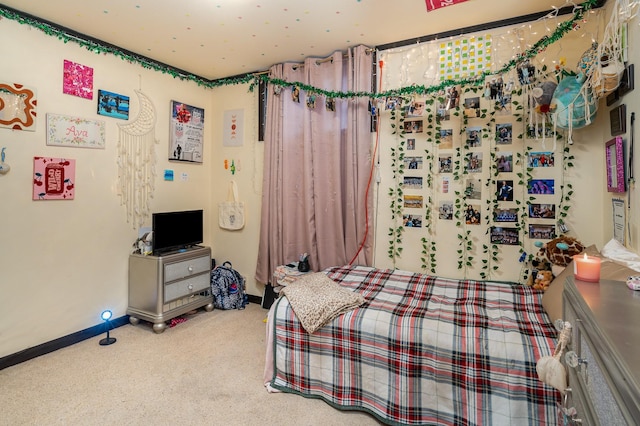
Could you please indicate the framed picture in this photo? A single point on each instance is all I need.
(113, 105)
(187, 133)
(618, 120)
(614, 151)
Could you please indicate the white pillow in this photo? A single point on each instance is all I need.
(619, 253)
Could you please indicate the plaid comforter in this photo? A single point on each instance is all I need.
(423, 350)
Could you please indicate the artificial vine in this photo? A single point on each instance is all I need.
(254, 80)
(396, 193)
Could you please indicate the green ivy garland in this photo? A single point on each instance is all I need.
(254, 80)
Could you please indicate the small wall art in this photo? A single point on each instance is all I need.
(615, 165)
(53, 178)
(17, 107)
(113, 105)
(63, 130)
(77, 80)
(186, 133)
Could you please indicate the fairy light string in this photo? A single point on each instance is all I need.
(254, 79)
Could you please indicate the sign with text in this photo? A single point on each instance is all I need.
(64, 130)
(437, 4)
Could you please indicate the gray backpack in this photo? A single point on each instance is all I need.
(227, 287)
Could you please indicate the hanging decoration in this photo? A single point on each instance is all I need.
(438, 4)
(464, 57)
(255, 79)
(136, 163)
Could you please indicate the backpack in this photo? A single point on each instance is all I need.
(227, 287)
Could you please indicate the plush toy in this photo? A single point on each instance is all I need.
(560, 250)
(537, 265)
(575, 107)
(543, 280)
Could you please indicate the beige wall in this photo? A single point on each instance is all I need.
(63, 262)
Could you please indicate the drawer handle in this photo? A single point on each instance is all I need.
(573, 360)
(190, 268)
(190, 286)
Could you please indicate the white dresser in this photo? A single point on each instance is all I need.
(163, 287)
(603, 358)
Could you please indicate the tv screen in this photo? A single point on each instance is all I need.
(176, 230)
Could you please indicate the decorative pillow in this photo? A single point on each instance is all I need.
(316, 299)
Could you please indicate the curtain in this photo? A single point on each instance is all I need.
(317, 165)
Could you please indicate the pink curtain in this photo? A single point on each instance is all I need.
(317, 165)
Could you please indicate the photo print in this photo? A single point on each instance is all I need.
(472, 214)
(413, 126)
(412, 182)
(445, 211)
(508, 236)
(416, 109)
(526, 73)
(504, 162)
(413, 201)
(474, 137)
(413, 163)
(542, 232)
(541, 159)
(474, 162)
(330, 104)
(493, 88)
(540, 131)
(452, 97)
(541, 187)
(411, 144)
(442, 112)
(113, 105)
(473, 189)
(505, 215)
(504, 133)
(393, 102)
(542, 211)
(412, 220)
(504, 190)
(472, 107)
(503, 106)
(445, 163)
(446, 139)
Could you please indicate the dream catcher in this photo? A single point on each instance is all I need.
(136, 162)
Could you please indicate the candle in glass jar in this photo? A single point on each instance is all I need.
(586, 268)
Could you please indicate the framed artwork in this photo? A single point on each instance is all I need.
(113, 105)
(614, 151)
(77, 80)
(618, 120)
(17, 107)
(186, 133)
(53, 178)
(64, 130)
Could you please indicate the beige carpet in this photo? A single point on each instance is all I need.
(205, 371)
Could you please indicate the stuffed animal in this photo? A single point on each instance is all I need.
(537, 265)
(543, 280)
(543, 95)
(560, 250)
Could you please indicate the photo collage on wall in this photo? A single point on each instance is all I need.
(477, 150)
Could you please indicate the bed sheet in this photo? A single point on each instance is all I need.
(422, 350)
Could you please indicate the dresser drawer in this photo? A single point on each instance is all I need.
(186, 268)
(186, 287)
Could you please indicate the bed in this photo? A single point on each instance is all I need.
(420, 350)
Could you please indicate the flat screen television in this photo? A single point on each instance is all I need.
(174, 231)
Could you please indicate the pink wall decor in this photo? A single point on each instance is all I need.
(53, 178)
(77, 80)
(437, 4)
(17, 107)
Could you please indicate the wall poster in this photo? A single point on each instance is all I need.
(17, 107)
(186, 133)
(53, 178)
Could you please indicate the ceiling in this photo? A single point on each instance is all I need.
(222, 38)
